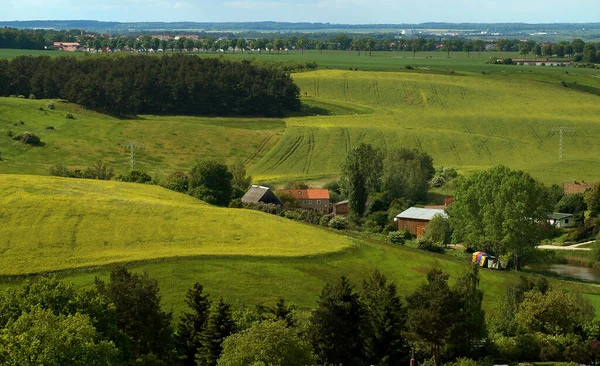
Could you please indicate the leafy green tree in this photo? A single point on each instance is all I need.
(302, 43)
(192, 325)
(500, 211)
(438, 230)
(219, 326)
(592, 198)
(239, 178)
(469, 47)
(470, 329)
(555, 312)
(284, 312)
(278, 45)
(138, 312)
(361, 175)
(335, 325)
(211, 181)
(385, 322)
(407, 174)
(267, 343)
(39, 337)
(433, 311)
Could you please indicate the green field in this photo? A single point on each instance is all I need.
(464, 121)
(51, 223)
(169, 143)
(78, 227)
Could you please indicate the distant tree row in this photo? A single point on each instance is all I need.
(34, 39)
(156, 85)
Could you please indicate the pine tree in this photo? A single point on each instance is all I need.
(219, 325)
(192, 324)
(283, 311)
(335, 325)
(385, 321)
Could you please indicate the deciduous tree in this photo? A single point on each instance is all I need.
(361, 174)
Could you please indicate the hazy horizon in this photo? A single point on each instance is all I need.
(317, 11)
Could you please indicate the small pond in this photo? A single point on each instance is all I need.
(581, 273)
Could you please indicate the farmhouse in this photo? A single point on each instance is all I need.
(261, 194)
(415, 219)
(310, 199)
(342, 207)
(576, 187)
(560, 219)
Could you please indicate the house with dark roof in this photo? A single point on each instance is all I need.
(415, 219)
(261, 194)
(310, 199)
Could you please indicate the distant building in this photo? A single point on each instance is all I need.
(447, 202)
(261, 194)
(576, 187)
(561, 219)
(67, 46)
(310, 199)
(342, 207)
(415, 219)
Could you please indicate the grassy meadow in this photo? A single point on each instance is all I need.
(169, 142)
(80, 229)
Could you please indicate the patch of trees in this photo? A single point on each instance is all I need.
(100, 170)
(155, 85)
(121, 322)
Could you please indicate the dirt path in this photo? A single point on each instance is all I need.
(568, 247)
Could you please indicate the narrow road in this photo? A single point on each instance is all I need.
(568, 247)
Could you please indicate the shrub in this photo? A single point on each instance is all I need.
(389, 228)
(100, 171)
(135, 176)
(437, 181)
(50, 105)
(28, 138)
(9, 133)
(60, 170)
(339, 223)
(429, 245)
(236, 203)
(21, 96)
(325, 219)
(22, 123)
(177, 181)
(397, 237)
(31, 96)
(70, 116)
(269, 208)
(49, 128)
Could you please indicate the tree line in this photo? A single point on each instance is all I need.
(121, 322)
(135, 84)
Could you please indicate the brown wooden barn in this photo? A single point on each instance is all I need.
(415, 219)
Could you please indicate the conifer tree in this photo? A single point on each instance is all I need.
(335, 325)
(385, 321)
(192, 324)
(219, 326)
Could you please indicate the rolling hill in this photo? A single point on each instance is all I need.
(470, 122)
(51, 224)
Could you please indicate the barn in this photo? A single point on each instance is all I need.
(415, 219)
(261, 194)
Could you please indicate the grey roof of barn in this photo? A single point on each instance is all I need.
(256, 194)
(419, 213)
(559, 216)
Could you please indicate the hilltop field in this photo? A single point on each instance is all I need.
(464, 113)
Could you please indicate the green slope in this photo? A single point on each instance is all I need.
(169, 143)
(469, 122)
(50, 224)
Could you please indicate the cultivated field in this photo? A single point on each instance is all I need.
(51, 224)
(470, 122)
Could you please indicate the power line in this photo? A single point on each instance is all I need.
(562, 131)
(132, 146)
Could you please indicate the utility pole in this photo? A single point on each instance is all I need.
(562, 131)
(132, 147)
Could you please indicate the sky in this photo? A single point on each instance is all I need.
(326, 11)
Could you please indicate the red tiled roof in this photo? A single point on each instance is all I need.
(308, 194)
